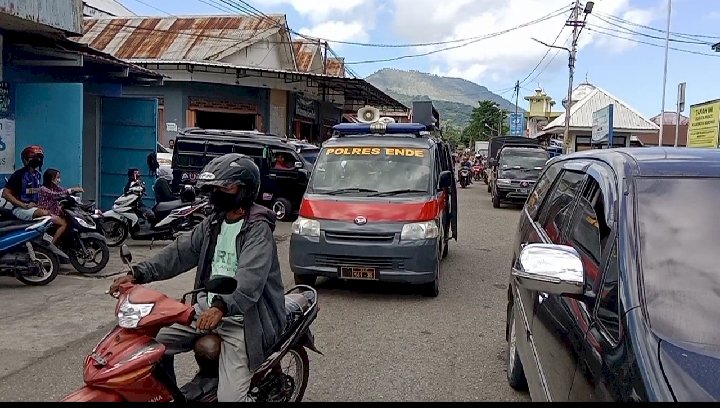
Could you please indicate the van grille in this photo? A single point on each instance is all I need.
(360, 261)
(360, 236)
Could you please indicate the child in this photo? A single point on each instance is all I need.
(50, 195)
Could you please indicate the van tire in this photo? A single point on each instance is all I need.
(432, 289)
(283, 209)
(307, 280)
(446, 249)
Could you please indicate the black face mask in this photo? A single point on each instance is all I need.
(35, 163)
(224, 201)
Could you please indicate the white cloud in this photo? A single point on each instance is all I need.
(507, 55)
(319, 11)
(338, 31)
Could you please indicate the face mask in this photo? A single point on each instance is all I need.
(224, 201)
(35, 163)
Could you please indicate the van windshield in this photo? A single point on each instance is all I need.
(369, 171)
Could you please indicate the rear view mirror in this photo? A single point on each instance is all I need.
(445, 180)
(222, 285)
(553, 269)
(125, 254)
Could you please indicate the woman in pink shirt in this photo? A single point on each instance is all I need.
(50, 195)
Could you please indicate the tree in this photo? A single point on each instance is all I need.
(484, 123)
(452, 133)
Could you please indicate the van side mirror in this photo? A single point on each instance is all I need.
(445, 180)
(553, 269)
(299, 165)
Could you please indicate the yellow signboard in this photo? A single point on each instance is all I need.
(704, 125)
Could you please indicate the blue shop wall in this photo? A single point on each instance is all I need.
(51, 115)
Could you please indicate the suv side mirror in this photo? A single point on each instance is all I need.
(445, 180)
(553, 269)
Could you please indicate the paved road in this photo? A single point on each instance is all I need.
(380, 342)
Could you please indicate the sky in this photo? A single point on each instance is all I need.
(627, 69)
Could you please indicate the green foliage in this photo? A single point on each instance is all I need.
(484, 122)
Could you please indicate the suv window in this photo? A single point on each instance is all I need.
(541, 189)
(590, 230)
(608, 309)
(556, 211)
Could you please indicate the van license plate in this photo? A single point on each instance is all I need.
(351, 272)
(524, 191)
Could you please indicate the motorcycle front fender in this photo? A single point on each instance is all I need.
(55, 250)
(90, 394)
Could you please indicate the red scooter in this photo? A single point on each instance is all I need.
(477, 172)
(126, 365)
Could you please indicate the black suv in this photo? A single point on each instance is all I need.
(613, 291)
(282, 186)
(515, 167)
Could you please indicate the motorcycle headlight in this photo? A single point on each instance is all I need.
(420, 230)
(306, 227)
(84, 223)
(505, 182)
(130, 314)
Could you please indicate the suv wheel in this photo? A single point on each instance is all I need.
(515, 373)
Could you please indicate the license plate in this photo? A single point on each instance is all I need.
(352, 272)
(524, 191)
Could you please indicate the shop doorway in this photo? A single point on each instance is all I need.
(225, 120)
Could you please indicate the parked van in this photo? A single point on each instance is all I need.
(381, 205)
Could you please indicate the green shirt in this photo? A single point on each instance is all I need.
(225, 260)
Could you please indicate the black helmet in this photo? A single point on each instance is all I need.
(232, 169)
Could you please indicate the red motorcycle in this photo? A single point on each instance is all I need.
(126, 364)
(477, 171)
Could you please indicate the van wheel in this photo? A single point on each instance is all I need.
(307, 280)
(489, 188)
(432, 289)
(446, 249)
(496, 200)
(283, 209)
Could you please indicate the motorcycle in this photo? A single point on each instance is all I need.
(164, 222)
(26, 252)
(83, 241)
(464, 176)
(477, 172)
(126, 364)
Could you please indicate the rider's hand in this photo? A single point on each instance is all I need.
(115, 286)
(210, 319)
(77, 190)
(30, 205)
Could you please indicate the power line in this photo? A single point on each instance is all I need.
(543, 57)
(675, 33)
(610, 34)
(629, 31)
(465, 44)
(153, 7)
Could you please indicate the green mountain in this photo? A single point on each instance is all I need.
(454, 98)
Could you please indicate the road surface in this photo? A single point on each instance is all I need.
(380, 342)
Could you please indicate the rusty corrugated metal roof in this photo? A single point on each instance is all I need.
(335, 67)
(198, 38)
(305, 52)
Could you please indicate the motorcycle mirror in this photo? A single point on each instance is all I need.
(222, 285)
(125, 254)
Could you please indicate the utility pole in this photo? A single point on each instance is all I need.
(665, 69)
(325, 58)
(517, 96)
(680, 108)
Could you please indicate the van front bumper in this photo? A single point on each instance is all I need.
(412, 262)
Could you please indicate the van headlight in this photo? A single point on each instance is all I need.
(306, 227)
(129, 314)
(420, 230)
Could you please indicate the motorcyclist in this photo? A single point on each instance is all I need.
(465, 163)
(161, 188)
(237, 240)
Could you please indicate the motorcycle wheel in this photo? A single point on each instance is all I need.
(50, 265)
(116, 232)
(96, 247)
(302, 364)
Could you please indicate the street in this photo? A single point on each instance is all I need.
(380, 342)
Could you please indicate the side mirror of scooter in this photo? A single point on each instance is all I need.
(125, 254)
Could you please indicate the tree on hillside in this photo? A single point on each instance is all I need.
(452, 133)
(485, 117)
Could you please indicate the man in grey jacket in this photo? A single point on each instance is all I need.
(236, 241)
